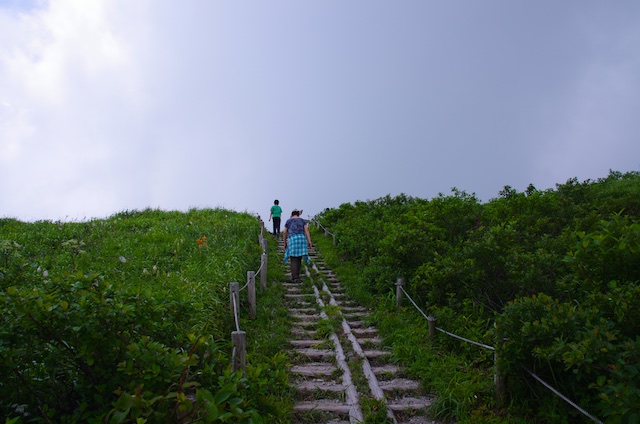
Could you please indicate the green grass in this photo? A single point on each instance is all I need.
(128, 317)
(463, 387)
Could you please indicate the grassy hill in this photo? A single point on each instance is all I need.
(549, 278)
(126, 319)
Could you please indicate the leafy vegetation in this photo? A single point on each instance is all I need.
(126, 320)
(550, 278)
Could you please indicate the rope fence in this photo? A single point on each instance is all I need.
(239, 337)
(326, 230)
(432, 320)
(563, 397)
(499, 382)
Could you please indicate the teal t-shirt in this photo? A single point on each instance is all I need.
(276, 211)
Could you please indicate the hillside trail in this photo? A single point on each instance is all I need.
(341, 372)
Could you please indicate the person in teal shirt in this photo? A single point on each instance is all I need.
(276, 213)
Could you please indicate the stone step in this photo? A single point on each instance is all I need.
(369, 340)
(297, 296)
(345, 302)
(402, 384)
(376, 353)
(295, 290)
(326, 405)
(359, 326)
(356, 314)
(363, 332)
(410, 403)
(302, 310)
(300, 332)
(354, 309)
(387, 368)
(308, 343)
(316, 353)
(306, 317)
(321, 385)
(314, 369)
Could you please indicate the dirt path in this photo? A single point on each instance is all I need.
(341, 372)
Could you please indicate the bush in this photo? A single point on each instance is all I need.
(125, 318)
(556, 270)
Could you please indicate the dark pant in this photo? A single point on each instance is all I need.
(276, 225)
(296, 264)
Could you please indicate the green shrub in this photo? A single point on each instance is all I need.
(125, 319)
(581, 350)
(555, 270)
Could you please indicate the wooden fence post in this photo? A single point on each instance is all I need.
(399, 283)
(239, 340)
(251, 292)
(263, 272)
(432, 326)
(234, 298)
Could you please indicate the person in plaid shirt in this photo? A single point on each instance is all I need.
(297, 242)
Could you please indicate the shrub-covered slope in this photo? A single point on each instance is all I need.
(125, 319)
(550, 278)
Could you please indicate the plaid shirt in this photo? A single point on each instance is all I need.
(297, 246)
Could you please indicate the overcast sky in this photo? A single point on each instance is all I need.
(113, 105)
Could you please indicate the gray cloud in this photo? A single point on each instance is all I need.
(112, 105)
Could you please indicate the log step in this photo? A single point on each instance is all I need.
(316, 353)
(314, 369)
(324, 386)
(326, 405)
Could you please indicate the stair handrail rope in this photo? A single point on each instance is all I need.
(257, 273)
(235, 301)
(541, 381)
(235, 314)
(326, 230)
(444, 331)
(259, 269)
(563, 397)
